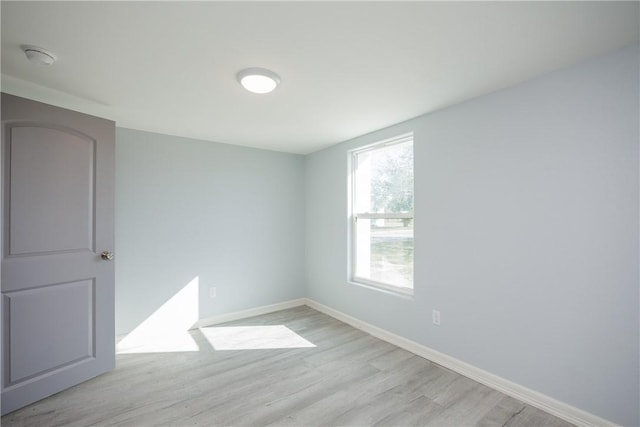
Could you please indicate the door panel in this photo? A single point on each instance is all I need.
(47, 166)
(38, 348)
(57, 217)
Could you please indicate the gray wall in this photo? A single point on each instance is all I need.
(230, 215)
(526, 235)
(526, 232)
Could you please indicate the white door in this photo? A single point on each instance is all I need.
(57, 220)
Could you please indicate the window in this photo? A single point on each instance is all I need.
(382, 214)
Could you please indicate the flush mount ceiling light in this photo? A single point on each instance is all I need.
(39, 55)
(258, 80)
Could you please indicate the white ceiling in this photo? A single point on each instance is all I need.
(347, 68)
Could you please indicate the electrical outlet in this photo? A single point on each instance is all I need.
(212, 292)
(435, 317)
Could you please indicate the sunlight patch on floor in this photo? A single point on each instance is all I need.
(167, 329)
(262, 337)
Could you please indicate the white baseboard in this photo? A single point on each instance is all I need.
(257, 311)
(552, 406)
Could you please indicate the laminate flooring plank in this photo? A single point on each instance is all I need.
(391, 359)
(205, 392)
(414, 413)
(231, 386)
(234, 397)
(354, 394)
(531, 416)
(348, 378)
(214, 404)
(266, 409)
(174, 386)
(355, 354)
(499, 415)
(391, 394)
(448, 387)
(398, 403)
(467, 409)
(435, 381)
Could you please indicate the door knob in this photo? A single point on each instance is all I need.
(107, 255)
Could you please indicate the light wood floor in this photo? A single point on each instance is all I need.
(349, 378)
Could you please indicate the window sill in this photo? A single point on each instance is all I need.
(379, 287)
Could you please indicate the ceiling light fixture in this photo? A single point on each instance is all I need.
(258, 80)
(39, 55)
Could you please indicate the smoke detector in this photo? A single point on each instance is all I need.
(39, 55)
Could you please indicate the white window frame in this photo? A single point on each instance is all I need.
(354, 215)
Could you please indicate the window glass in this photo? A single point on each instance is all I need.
(385, 251)
(384, 179)
(382, 213)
